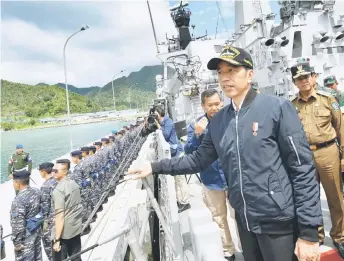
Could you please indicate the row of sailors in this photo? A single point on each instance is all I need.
(96, 168)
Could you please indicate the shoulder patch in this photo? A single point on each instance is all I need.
(324, 93)
(335, 106)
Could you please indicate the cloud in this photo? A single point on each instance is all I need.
(123, 39)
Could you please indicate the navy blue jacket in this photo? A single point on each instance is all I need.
(170, 135)
(213, 177)
(270, 173)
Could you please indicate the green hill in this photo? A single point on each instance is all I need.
(82, 91)
(22, 103)
(22, 100)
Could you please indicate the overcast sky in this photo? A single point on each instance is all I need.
(120, 37)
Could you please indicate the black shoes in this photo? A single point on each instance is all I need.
(230, 258)
(340, 247)
(183, 207)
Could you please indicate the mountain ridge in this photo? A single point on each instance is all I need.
(145, 78)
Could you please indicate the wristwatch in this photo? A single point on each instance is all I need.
(56, 240)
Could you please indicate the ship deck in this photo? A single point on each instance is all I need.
(328, 252)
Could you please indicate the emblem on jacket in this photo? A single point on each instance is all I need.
(254, 128)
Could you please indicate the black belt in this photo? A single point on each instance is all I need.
(322, 145)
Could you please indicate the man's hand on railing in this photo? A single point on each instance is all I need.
(139, 172)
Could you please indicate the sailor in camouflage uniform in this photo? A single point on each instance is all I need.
(79, 176)
(48, 213)
(19, 161)
(88, 167)
(2, 245)
(98, 163)
(92, 151)
(331, 84)
(25, 209)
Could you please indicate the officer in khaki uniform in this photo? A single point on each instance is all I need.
(323, 125)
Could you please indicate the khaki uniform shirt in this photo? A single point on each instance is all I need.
(66, 196)
(321, 118)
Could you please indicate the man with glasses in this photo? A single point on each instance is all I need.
(66, 199)
(323, 124)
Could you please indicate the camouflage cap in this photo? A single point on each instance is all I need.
(232, 55)
(300, 69)
(330, 80)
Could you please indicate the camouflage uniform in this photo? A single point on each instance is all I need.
(25, 205)
(91, 160)
(98, 160)
(79, 177)
(2, 245)
(86, 189)
(48, 213)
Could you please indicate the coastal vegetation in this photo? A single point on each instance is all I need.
(24, 106)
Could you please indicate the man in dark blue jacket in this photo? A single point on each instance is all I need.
(169, 131)
(213, 178)
(268, 165)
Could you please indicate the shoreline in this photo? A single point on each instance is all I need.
(43, 126)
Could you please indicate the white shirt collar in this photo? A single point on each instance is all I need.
(235, 108)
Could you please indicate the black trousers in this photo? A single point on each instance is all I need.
(266, 247)
(69, 247)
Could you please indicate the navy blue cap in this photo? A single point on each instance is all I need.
(97, 143)
(112, 137)
(76, 153)
(85, 149)
(46, 166)
(23, 174)
(104, 139)
(93, 148)
(19, 146)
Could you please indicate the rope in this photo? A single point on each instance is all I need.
(151, 18)
(223, 20)
(217, 24)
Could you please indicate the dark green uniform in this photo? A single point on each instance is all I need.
(19, 161)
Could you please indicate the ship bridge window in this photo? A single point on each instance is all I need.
(297, 45)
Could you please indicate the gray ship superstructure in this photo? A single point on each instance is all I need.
(309, 31)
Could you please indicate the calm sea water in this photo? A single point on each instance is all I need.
(51, 143)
